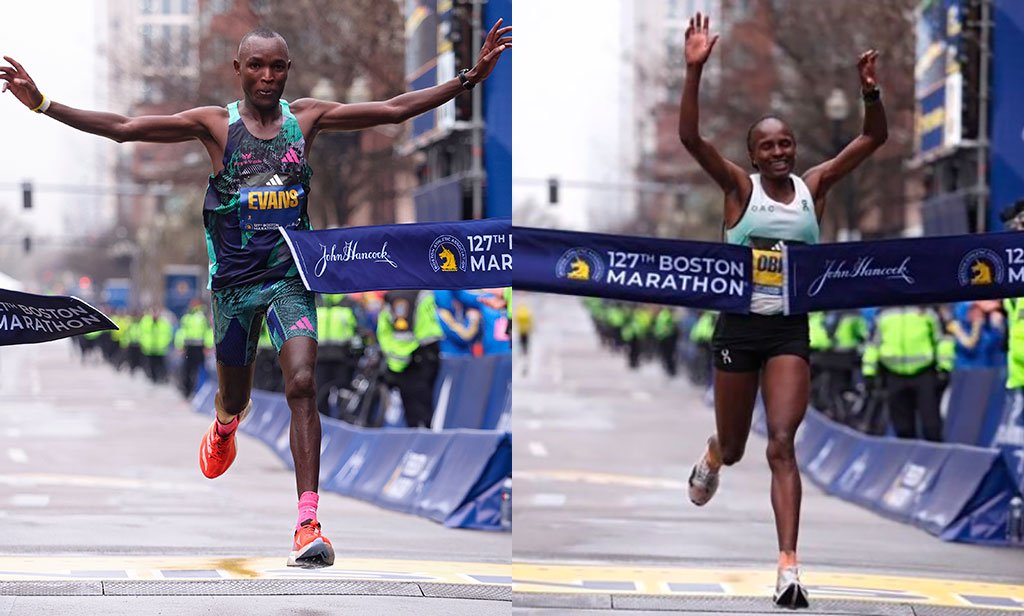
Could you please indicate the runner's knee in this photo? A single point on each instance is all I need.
(731, 453)
(301, 384)
(781, 450)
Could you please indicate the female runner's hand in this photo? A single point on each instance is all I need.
(698, 44)
(866, 68)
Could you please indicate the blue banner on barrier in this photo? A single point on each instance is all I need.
(905, 271)
(26, 318)
(468, 254)
(707, 275)
(965, 468)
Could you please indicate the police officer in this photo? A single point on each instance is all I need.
(1011, 432)
(700, 337)
(190, 339)
(336, 320)
(904, 353)
(408, 331)
(666, 334)
(157, 337)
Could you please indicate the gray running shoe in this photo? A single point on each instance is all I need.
(789, 592)
(703, 482)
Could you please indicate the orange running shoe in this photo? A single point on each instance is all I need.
(216, 452)
(311, 550)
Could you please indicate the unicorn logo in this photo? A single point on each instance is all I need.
(981, 273)
(447, 260)
(443, 257)
(580, 270)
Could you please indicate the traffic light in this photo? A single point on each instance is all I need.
(26, 195)
(27, 243)
(552, 191)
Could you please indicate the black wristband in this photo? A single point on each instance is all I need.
(466, 83)
(872, 96)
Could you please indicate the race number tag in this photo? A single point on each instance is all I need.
(270, 203)
(767, 272)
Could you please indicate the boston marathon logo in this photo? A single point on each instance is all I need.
(981, 267)
(580, 264)
(443, 254)
(351, 253)
(862, 268)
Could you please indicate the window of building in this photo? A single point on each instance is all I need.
(148, 7)
(186, 7)
(186, 45)
(167, 7)
(147, 45)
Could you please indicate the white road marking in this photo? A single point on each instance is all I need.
(88, 481)
(30, 500)
(17, 455)
(641, 395)
(533, 424)
(538, 449)
(542, 499)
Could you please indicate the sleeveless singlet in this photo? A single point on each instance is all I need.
(766, 225)
(262, 187)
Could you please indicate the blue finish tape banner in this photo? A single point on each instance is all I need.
(906, 271)
(26, 318)
(471, 254)
(706, 275)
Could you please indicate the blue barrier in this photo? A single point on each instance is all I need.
(452, 477)
(473, 392)
(956, 492)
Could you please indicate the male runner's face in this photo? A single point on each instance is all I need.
(774, 150)
(263, 66)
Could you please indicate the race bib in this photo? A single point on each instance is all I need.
(767, 272)
(270, 203)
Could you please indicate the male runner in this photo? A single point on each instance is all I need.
(258, 147)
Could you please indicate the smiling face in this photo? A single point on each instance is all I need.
(772, 148)
(263, 66)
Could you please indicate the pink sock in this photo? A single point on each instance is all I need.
(307, 507)
(226, 429)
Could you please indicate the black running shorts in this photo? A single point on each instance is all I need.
(744, 342)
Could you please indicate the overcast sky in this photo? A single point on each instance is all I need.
(60, 53)
(569, 97)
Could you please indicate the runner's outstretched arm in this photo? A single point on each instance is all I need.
(821, 178)
(183, 126)
(727, 174)
(331, 116)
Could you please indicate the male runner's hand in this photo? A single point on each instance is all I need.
(490, 52)
(698, 44)
(18, 81)
(866, 68)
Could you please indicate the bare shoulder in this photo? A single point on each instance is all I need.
(308, 106)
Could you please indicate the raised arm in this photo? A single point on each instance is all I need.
(191, 124)
(821, 178)
(727, 174)
(331, 116)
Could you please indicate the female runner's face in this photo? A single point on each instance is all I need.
(773, 149)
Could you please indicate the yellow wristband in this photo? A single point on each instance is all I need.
(43, 106)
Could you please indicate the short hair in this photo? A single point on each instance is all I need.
(750, 131)
(261, 32)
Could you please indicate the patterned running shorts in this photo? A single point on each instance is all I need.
(238, 313)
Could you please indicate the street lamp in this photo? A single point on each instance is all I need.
(837, 109)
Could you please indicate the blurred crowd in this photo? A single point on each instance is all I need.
(377, 351)
(874, 369)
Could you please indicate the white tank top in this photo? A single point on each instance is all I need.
(766, 225)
